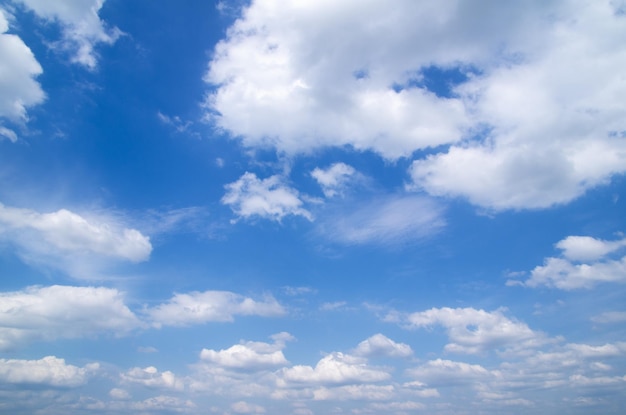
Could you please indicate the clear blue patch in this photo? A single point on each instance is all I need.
(436, 79)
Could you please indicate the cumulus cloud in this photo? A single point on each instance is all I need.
(569, 273)
(18, 86)
(269, 198)
(385, 220)
(66, 240)
(80, 24)
(535, 117)
(610, 317)
(49, 313)
(203, 307)
(334, 179)
(152, 378)
(335, 368)
(249, 355)
(381, 345)
(49, 371)
(475, 331)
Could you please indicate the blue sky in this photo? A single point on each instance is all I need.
(312, 207)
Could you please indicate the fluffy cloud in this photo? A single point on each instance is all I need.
(475, 331)
(81, 26)
(548, 141)
(533, 118)
(567, 274)
(385, 220)
(380, 345)
(249, 355)
(152, 378)
(48, 313)
(18, 87)
(49, 371)
(334, 179)
(66, 240)
(267, 198)
(203, 307)
(335, 368)
(586, 248)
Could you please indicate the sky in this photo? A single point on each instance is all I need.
(312, 207)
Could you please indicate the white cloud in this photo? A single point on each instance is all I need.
(475, 331)
(538, 120)
(152, 378)
(555, 116)
(334, 179)
(48, 313)
(163, 403)
(384, 220)
(49, 371)
(119, 394)
(566, 274)
(380, 345)
(446, 371)
(610, 317)
(18, 87)
(242, 407)
(355, 392)
(335, 368)
(81, 26)
(586, 248)
(267, 198)
(203, 307)
(249, 355)
(66, 240)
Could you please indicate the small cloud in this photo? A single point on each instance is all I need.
(148, 349)
(269, 198)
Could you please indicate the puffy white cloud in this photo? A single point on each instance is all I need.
(66, 240)
(534, 119)
(49, 371)
(203, 307)
(334, 179)
(566, 274)
(335, 368)
(48, 313)
(385, 220)
(380, 345)
(18, 87)
(81, 26)
(475, 331)
(267, 198)
(119, 394)
(586, 248)
(152, 378)
(249, 355)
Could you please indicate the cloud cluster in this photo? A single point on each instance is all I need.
(80, 24)
(67, 312)
(211, 306)
(249, 355)
(533, 118)
(475, 331)
(18, 86)
(334, 179)
(585, 263)
(57, 312)
(48, 371)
